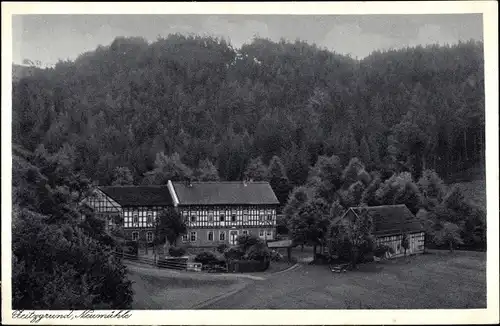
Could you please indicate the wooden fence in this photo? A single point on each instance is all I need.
(176, 263)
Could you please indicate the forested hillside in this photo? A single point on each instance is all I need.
(327, 131)
(60, 261)
(208, 106)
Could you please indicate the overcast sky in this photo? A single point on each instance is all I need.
(51, 37)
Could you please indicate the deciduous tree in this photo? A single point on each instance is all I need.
(169, 226)
(207, 171)
(122, 177)
(356, 231)
(310, 223)
(256, 170)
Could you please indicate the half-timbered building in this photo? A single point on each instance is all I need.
(218, 212)
(132, 208)
(390, 224)
(214, 212)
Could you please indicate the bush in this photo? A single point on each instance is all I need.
(366, 257)
(206, 258)
(247, 240)
(276, 256)
(342, 250)
(58, 266)
(221, 248)
(176, 251)
(131, 248)
(210, 259)
(233, 253)
(259, 252)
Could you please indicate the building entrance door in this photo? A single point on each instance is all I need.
(233, 235)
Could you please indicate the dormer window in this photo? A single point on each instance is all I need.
(210, 218)
(233, 218)
(222, 217)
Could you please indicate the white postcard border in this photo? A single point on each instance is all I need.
(489, 9)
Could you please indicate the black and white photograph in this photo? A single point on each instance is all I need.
(238, 161)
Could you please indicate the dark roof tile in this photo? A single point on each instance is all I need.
(391, 219)
(139, 195)
(225, 193)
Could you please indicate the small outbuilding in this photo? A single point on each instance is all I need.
(391, 223)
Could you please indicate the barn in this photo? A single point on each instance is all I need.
(390, 224)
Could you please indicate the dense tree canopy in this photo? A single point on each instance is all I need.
(327, 131)
(347, 132)
(121, 105)
(60, 261)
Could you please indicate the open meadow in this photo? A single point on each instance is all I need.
(434, 280)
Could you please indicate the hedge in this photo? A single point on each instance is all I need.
(209, 258)
(176, 251)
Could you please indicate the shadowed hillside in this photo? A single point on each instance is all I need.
(120, 105)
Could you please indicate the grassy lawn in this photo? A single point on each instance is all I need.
(157, 289)
(436, 280)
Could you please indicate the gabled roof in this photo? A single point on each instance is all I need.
(390, 219)
(225, 193)
(139, 195)
(101, 203)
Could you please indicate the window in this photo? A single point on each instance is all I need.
(261, 217)
(261, 233)
(193, 218)
(135, 219)
(210, 235)
(192, 236)
(222, 236)
(245, 218)
(269, 217)
(149, 236)
(210, 218)
(149, 218)
(222, 217)
(184, 238)
(244, 232)
(110, 220)
(233, 218)
(269, 233)
(135, 236)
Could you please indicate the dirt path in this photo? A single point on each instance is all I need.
(168, 289)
